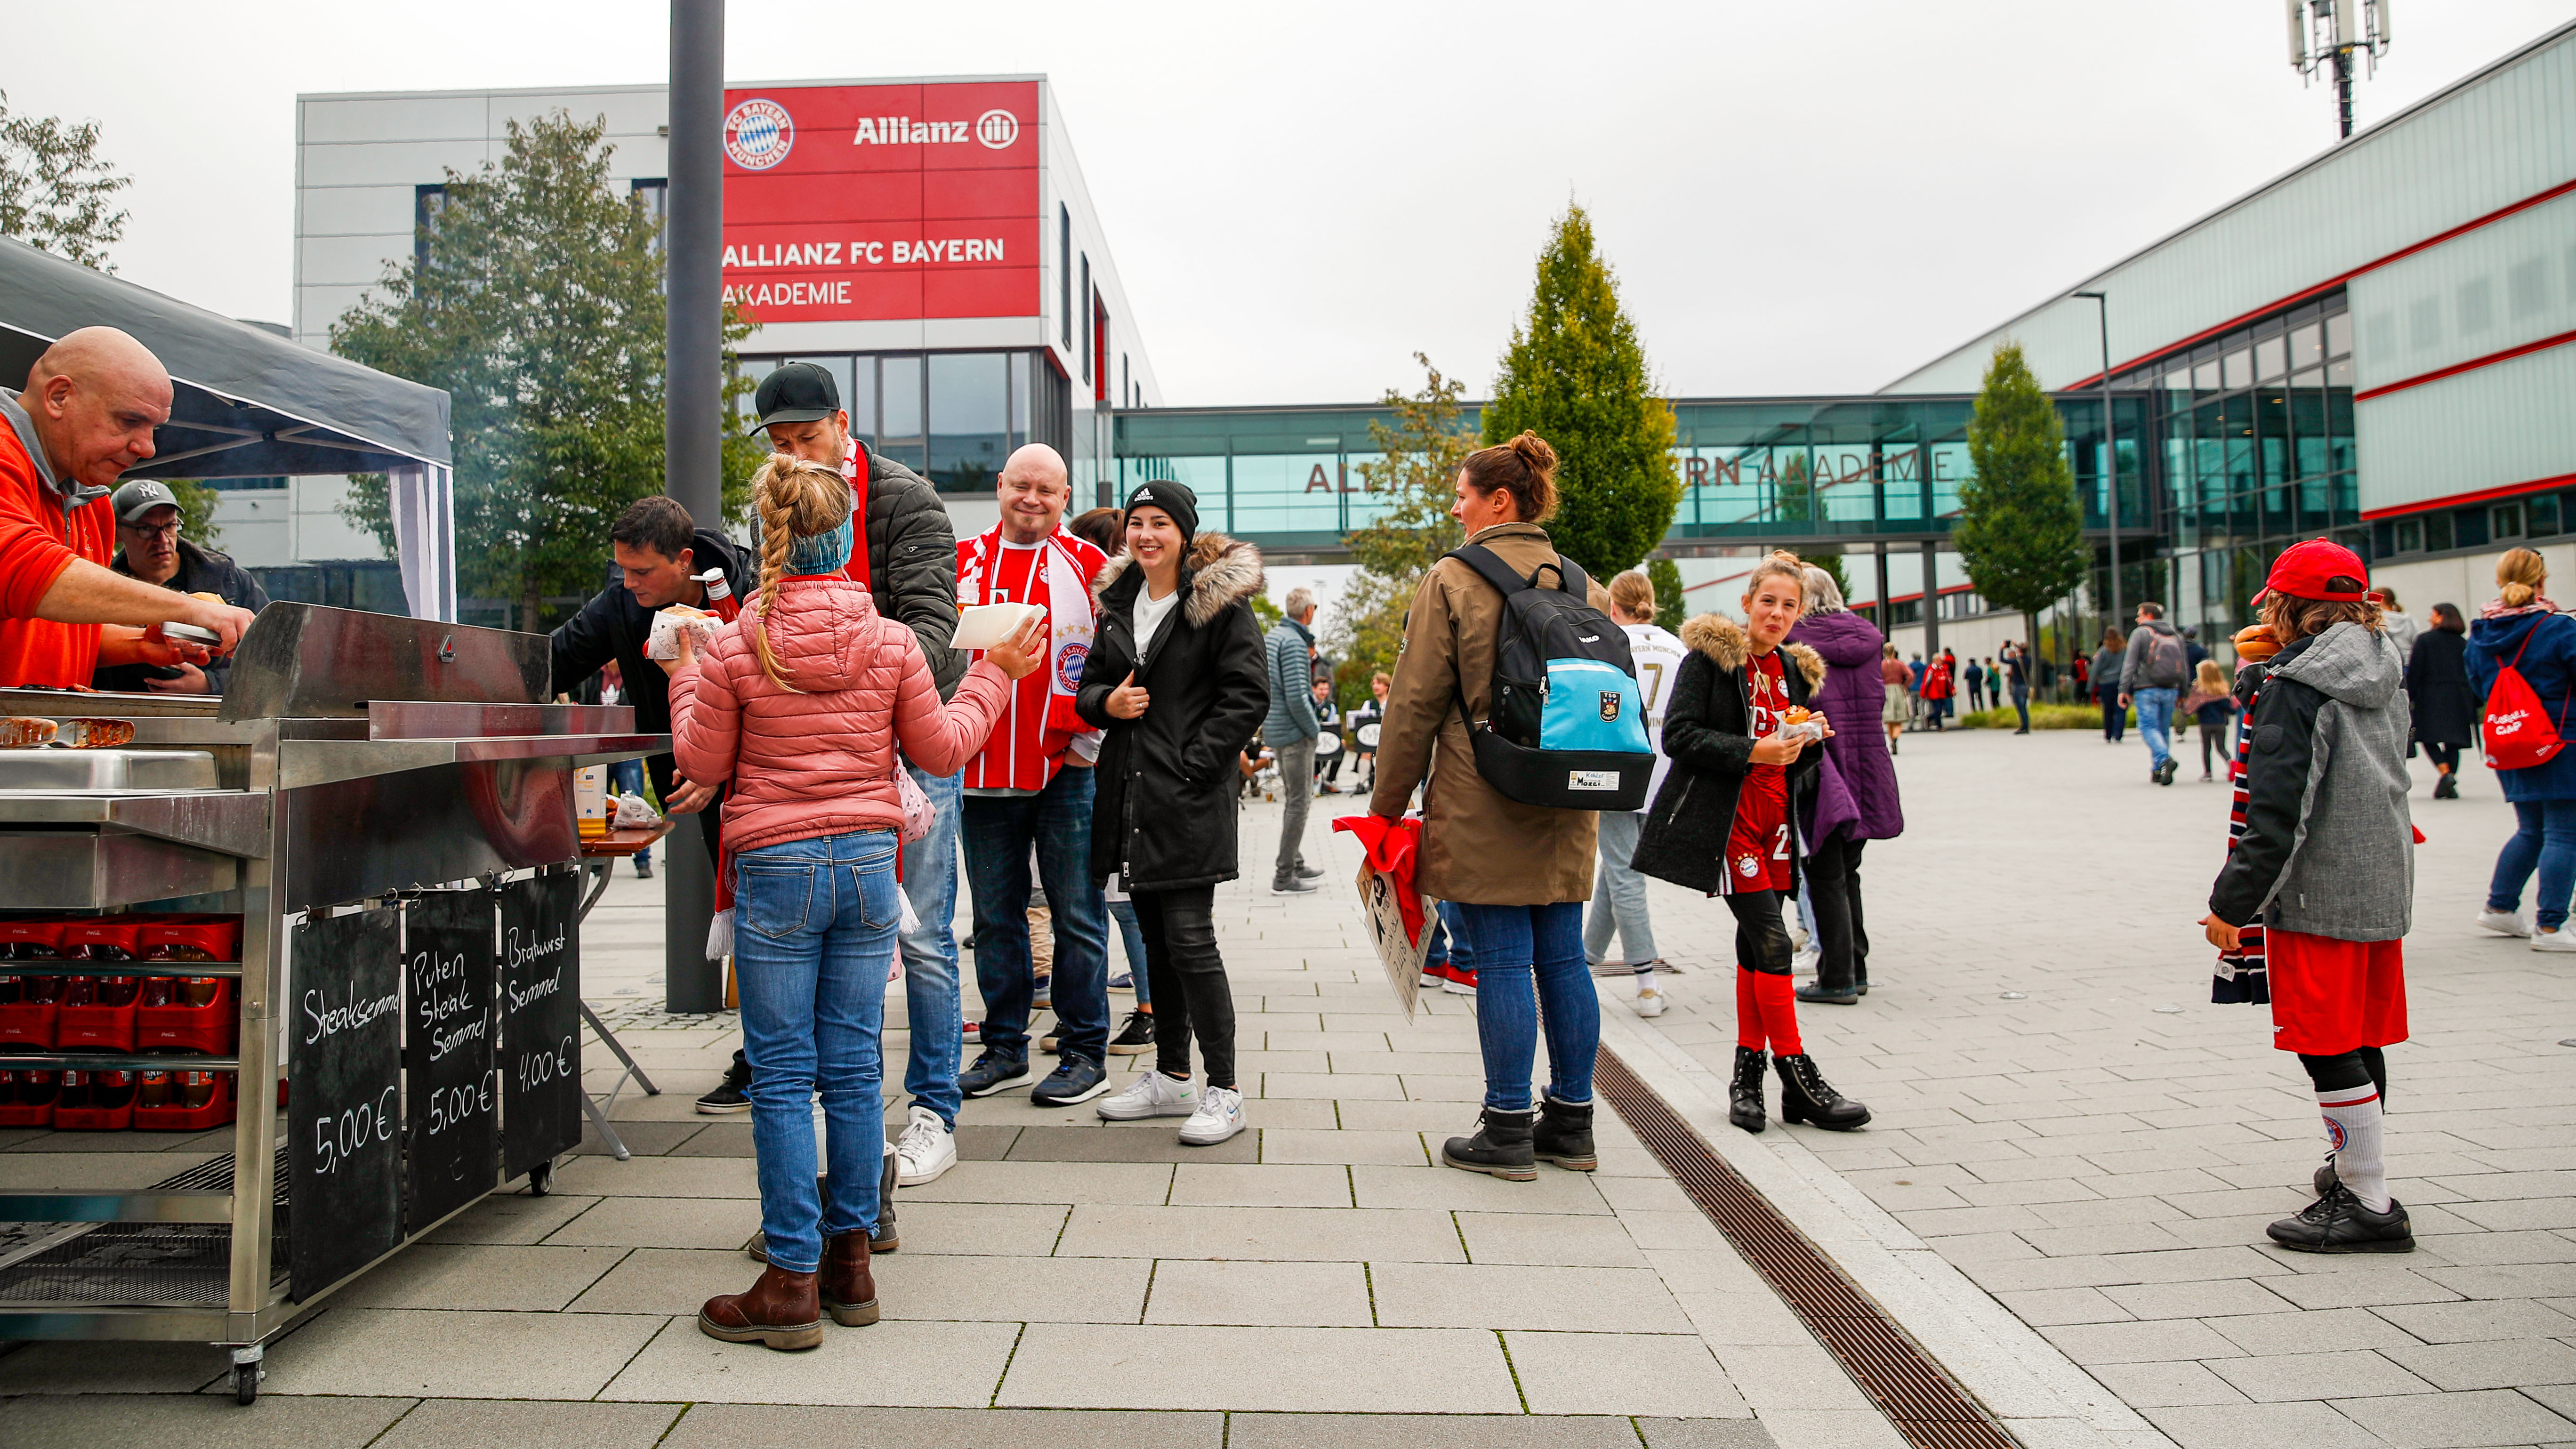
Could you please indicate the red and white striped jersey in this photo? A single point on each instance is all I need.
(1025, 749)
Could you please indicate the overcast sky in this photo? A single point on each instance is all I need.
(1798, 196)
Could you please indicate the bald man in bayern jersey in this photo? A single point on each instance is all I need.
(87, 414)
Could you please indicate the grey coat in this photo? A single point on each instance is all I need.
(2329, 845)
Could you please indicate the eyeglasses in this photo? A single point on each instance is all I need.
(166, 530)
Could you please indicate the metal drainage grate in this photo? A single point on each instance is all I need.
(1921, 1400)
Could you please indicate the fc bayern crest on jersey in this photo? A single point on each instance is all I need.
(758, 134)
(1068, 665)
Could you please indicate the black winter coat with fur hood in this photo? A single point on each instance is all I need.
(1163, 817)
(1708, 732)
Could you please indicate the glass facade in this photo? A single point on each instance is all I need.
(952, 417)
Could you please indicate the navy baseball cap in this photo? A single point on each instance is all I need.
(800, 392)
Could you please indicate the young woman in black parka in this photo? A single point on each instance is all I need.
(1176, 678)
(1725, 822)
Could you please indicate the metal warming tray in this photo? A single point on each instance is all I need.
(57, 768)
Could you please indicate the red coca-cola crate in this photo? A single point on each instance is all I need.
(95, 1102)
(31, 939)
(98, 1013)
(104, 938)
(29, 1006)
(190, 938)
(222, 1091)
(181, 1023)
(27, 1098)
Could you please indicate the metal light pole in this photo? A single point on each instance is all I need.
(692, 394)
(2110, 454)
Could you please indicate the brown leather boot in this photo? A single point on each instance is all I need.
(849, 1289)
(781, 1310)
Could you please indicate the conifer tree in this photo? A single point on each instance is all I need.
(1670, 608)
(2020, 529)
(1576, 375)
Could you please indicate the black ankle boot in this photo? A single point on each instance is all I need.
(1744, 1094)
(1501, 1147)
(1805, 1096)
(1563, 1135)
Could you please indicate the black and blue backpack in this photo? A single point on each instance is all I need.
(1568, 728)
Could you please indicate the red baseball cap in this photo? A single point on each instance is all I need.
(2317, 569)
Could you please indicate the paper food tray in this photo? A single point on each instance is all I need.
(986, 625)
(668, 622)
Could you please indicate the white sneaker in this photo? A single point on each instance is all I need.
(2504, 923)
(1151, 1095)
(1220, 1116)
(1458, 988)
(1426, 979)
(2561, 939)
(1649, 1002)
(1805, 962)
(925, 1150)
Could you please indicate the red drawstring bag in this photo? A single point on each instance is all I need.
(2516, 731)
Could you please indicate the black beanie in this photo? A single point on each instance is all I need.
(1173, 498)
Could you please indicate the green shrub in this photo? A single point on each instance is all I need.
(2042, 717)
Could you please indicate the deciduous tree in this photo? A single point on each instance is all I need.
(2020, 529)
(1576, 375)
(56, 190)
(1413, 482)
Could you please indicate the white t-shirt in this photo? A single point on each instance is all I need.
(1149, 614)
(1658, 657)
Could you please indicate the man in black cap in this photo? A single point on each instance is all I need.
(149, 548)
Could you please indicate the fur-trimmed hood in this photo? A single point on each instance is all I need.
(1724, 642)
(1222, 571)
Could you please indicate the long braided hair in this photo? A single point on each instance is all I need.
(796, 499)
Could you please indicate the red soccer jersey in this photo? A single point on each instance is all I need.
(1757, 845)
(1024, 751)
(37, 542)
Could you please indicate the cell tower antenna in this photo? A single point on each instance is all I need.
(2326, 34)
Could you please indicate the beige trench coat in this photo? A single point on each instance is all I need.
(1477, 847)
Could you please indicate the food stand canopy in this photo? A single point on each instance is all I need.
(248, 403)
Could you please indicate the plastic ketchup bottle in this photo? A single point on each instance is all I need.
(720, 599)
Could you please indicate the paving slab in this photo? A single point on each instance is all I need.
(1321, 1370)
(730, 1426)
(203, 1421)
(448, 1423)
(943, 1365)
(456, 1355)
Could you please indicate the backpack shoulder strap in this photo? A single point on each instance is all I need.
(1571, 576)
(1490, 567)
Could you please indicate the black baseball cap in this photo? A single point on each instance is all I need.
(800, 392)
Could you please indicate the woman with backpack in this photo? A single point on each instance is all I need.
(1725, 822)
(1519, 874)
(2522, 631)
(799, 704)
(1177, 679)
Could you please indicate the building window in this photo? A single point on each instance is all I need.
(1064, 270)
(1086, 336)
(652, 196)
(2410, 535)
(2504, 521)
(426, 203)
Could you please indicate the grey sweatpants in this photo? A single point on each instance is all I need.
(1619, 895)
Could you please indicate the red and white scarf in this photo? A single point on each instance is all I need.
(1058, 583)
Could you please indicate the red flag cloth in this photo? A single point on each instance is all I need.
(1392, 846)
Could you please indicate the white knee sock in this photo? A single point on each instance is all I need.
(2352, 1126)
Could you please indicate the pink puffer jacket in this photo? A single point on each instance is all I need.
(822, 762)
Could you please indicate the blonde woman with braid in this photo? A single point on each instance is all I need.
(799, 705)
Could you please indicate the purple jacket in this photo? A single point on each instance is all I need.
(1856, 793)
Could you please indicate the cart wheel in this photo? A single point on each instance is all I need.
(245, 1383)
(541, 1178)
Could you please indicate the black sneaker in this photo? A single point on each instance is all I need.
(1136, 1036)
(1077, 1079)
(991, 1073)
(733, 1093)
(1289, 885)
(1310, 872)
(2338, 1223)
(1053, 1042)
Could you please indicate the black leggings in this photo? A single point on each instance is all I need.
(2446, 756)
(2350, 1069)
(1190, 990)
(1833, 878)
(1761, 942)
(2212, 738)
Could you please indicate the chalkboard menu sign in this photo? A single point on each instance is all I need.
(453, 1104)
(540, 1057)
(344, 1118)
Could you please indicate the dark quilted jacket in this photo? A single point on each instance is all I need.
(912, 563)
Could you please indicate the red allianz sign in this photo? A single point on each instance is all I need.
(882, 203)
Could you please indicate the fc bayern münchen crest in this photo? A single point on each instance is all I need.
(758, 134)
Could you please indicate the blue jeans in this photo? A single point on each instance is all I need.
(1513, 945)
(1449, 939)
(2021, 703)
(2545, 838)
(815, 925)
(627, 777)
(1000, 829)
(930, 1001)
(1132, 938)
(2155, 721)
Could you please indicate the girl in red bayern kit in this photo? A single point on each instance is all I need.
(2327, 859)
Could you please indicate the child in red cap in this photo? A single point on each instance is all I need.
(2327, 859)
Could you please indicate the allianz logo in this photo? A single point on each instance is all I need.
(995, 130)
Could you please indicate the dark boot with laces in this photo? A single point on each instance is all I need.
(1563, 1135)
(1744, 1094)
(1805, 1096)
(1501, 1147)
(2338, 1223)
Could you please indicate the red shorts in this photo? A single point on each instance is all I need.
(1757, 846)
(2330, 996)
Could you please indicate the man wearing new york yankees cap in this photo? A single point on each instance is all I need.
(1031, 787)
